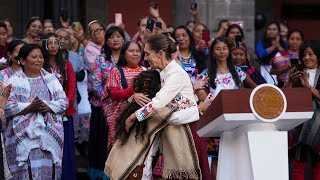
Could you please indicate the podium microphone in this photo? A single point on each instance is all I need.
(261, 64)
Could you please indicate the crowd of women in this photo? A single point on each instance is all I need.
(125, 102)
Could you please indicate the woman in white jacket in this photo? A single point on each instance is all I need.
(176, 88)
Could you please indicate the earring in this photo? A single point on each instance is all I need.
(18, 62)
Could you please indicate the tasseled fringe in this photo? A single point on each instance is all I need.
(107, 171)
(180, 174)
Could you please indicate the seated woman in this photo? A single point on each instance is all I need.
(175, 139)
(34, 135)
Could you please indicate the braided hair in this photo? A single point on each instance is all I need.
(147, 82)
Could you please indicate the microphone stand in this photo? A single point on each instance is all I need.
(261, 64)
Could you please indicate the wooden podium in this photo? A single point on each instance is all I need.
(251, 149)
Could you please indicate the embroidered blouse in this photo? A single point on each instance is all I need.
(99, 78)
(190, 67)
(115, 95)
(225, 81)
(5, 74)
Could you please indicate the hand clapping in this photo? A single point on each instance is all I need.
(304, 78)
(200, 82)
(38, 105)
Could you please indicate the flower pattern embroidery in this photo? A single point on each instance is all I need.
(147, 111)
(180, 102)
(99, 77)
(101, 71)
(225, 81)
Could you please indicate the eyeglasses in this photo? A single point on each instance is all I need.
(51, 42)
(96, 31)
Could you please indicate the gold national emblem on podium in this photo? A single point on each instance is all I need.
(268, 102)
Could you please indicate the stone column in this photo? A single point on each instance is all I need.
(181, 12)
(96, 9)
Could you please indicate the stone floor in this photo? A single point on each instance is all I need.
(82, 165)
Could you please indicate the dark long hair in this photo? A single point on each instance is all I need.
(147, 82)
(60, 61)
(212, 68)
(31, 20)
(297, 31)
(267, 42)
(122, 60)
(12, 46)
(314, 45)
(3, 25)
(197, 55)
(233, 26)
(105, 48)
(26, 50)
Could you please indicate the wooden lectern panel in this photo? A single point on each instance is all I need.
(237, 101)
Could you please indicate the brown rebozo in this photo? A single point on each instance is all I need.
(147, 82)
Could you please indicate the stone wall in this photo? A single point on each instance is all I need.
(8, 10)
(266, 7)
(212, 11)
(96, 9)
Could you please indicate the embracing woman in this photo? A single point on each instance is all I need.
(169, 112)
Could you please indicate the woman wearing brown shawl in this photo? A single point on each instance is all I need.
(180, 156)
